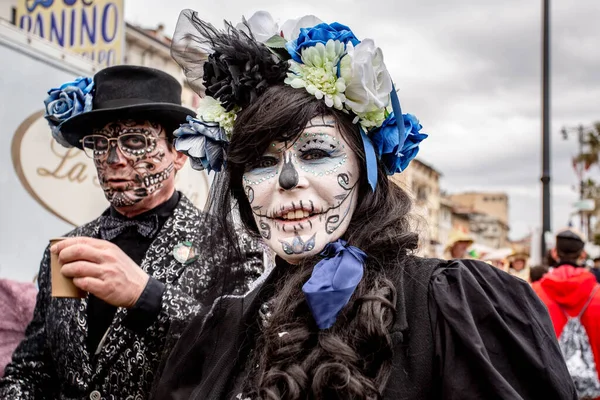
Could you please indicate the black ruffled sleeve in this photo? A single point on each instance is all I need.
(493, 337)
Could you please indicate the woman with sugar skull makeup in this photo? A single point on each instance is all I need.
(304, 125)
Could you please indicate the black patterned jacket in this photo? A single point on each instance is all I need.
(53, 362)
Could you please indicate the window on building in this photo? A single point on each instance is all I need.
(421, 193)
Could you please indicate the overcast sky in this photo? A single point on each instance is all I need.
(470, 70)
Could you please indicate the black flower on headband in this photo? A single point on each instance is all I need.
(236, 68)
(237, 75)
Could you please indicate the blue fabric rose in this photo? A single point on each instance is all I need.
(62, 103)
(396, 149)
(205, 143)
(321, 33)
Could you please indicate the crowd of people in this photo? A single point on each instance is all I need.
(299, 279)
(517, 261)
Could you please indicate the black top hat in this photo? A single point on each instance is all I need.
(129, 92)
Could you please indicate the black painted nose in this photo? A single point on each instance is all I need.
(113, 157)
(288, 179)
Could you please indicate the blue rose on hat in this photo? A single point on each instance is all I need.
(70, 99)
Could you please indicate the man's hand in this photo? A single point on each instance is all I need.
(101, 268)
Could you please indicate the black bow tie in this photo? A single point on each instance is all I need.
(111, 227)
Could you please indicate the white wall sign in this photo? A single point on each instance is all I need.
(64, 181)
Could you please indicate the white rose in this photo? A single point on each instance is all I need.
(368, 82)
(261, 24)
(291, 27)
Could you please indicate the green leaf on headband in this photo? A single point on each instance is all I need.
(276, 42)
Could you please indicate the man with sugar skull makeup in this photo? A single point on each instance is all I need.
(305, 125)
(149, 263)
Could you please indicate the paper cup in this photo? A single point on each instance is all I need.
(61, 285)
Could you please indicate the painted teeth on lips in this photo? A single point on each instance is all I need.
(298, 214)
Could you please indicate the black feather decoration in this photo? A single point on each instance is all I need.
(237, 69)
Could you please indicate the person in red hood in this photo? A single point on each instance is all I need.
(568, 287)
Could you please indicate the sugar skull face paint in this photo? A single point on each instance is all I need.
(303, 193)
(133, 160)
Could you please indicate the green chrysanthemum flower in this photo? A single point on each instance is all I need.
(371, 120)
(318, 73)
(211, 110)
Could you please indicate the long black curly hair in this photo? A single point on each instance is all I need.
(352, 359)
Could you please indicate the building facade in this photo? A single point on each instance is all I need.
(494, 204)
(422, 182)
(488, 230)
(484, 214)
(446, 221)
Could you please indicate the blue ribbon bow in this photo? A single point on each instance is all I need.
(333, 281)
